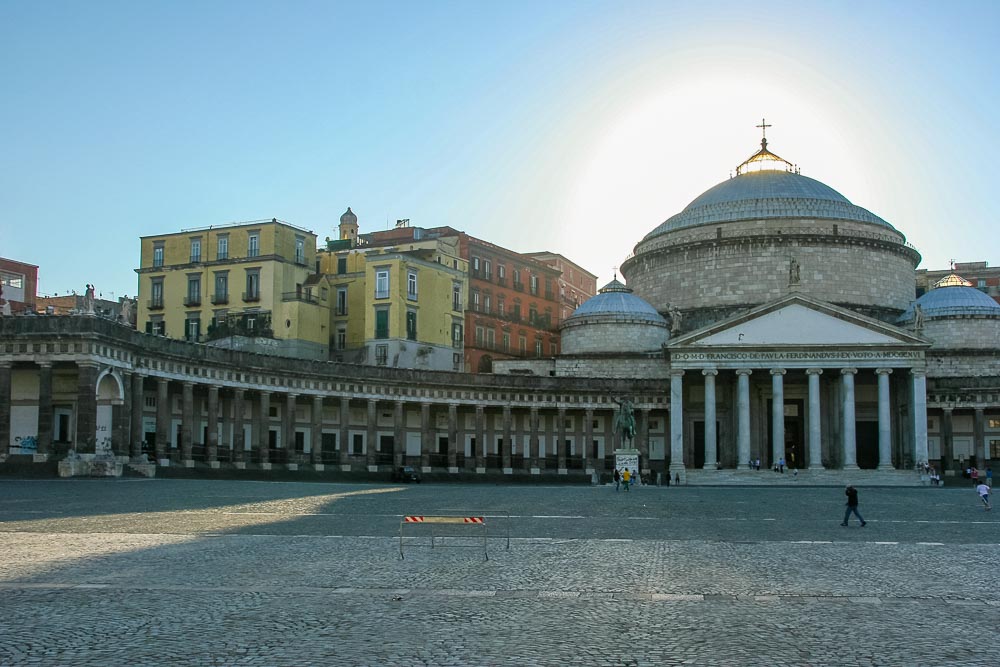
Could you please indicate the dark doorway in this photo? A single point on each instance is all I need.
(794, 434)
(866, 439)
(442, 445)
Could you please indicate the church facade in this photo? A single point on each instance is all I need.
(770, 320)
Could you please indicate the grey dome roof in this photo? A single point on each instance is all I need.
(767, 194)
(348, 216)
(617, 300)
(952, 302)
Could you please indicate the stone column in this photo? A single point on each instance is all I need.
(316, 432)
(480, 452)
(947, 439)
(86, 407)
(163, 413)
(777, 415)
(847, 429)
(506, 447)
(187, 423)
(978, 434)
(918, 390)
(45, 415)
(677, 423)
(551, 444)
(398, 434)
(5, 378)
(743, 418)
(425, 436)
(239, 441)
(884, 420)
(645, 467)
(452, 438)
(344, 435)
(212, 444)
(288, 431)
(815, 439)
(225, 423)
(561, 441)
(264, 430)
(371, 435)
(711, 449)
(137, 433)
(533, 441)
(588, 440)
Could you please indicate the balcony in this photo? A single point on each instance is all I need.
(251, 297)
(220, 299)
(155, 304)
(519, 286)
(304, 297)
(502, 281)
(192, 300)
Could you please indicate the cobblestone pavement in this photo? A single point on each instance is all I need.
(183, 572)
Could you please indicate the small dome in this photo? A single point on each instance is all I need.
(616, 300)
(953, 300)
(349, 218)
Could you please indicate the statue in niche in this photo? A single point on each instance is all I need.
(675, 318)
(793, 272)
(918, 318)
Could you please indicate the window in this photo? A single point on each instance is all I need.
(411, 285)
(411, 325)
(456, 334)
(517, 312)
(480, 336)
(456, 365)
(994, 450)
(156, 293)
(533, 281)
(522, 342)
(501, 307)
(487, 269)
(491, 338)
(517, 280)
(382, 284)
(475, 265)
(157, 327)
(253, 285)
(532, 314)
(192, 328)
(456, 296)
(993, 423)
(359, 443)
(501, 271)
(195, 250)
(193, 291)
(475, 300)
(300, 250)
(553, 348)
(222, 247)
(221, 288)
(253, 244)
(487, 304)
(158, 253)
(341, 301)
(381, 355)
(382, 323)
(342, 338)
(341, 266)
(538, 348)
(506, 342)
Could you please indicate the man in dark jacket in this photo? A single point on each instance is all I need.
(852, 505)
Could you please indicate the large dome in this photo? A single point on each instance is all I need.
(767, 194)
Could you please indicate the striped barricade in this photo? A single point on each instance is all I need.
(437, 540)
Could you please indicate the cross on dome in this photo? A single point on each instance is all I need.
(765, 160)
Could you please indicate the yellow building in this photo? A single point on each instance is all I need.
(245, 285)
(395, 305)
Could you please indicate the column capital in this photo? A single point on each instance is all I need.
(676, 373)
(709, 371)
(561, 411)
(163, 381)
(291, 395)
(948, 409)
(188, 383)
(918, 372)
(399, 404)
(814, 371)
(883, 371)
(534, 409)
(848, 371)
(744, 371)
(778, 371)
(44, 364)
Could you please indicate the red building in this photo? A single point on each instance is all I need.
(19, 282)
(576, 284)
(982, 276)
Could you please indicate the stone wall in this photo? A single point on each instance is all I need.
(603, 334)
(963, 332)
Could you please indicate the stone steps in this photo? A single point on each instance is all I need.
(803, 478)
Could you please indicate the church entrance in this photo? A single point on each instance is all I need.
(866, 440)
(794, 433)
(698, 455)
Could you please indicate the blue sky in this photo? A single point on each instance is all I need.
(574, 127)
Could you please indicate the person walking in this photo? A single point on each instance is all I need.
(975, 476)
(852, 506)
(618, 479)
(984, 493)
(625, 478)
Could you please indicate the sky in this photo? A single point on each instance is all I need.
(569, 126)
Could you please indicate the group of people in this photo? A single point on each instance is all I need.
(625, 477)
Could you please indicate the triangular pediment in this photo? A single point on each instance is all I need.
(797, 320)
